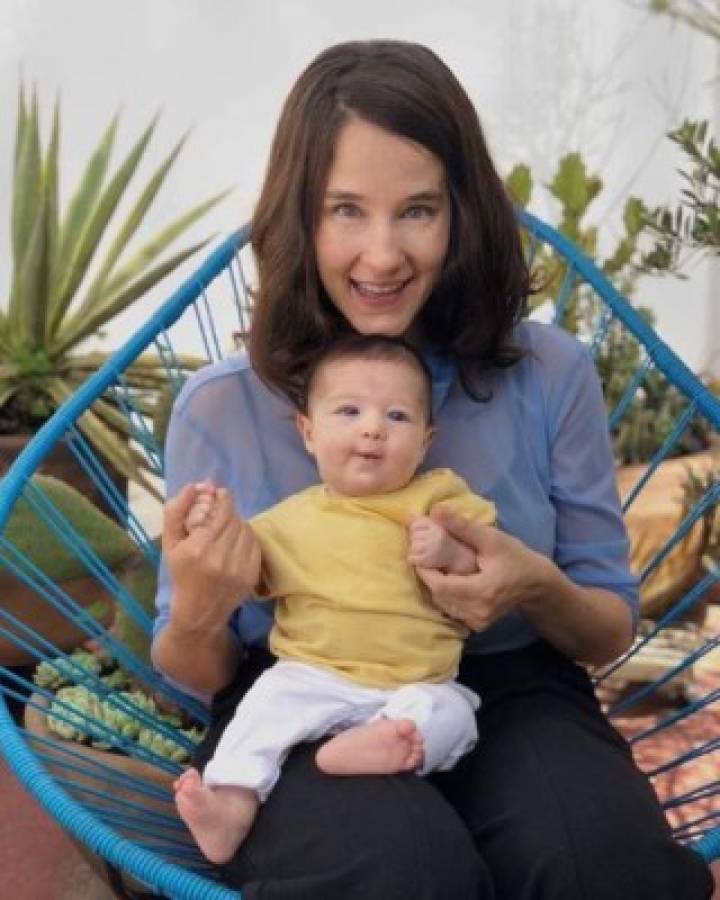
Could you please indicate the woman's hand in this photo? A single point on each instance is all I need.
(214, 565)
(588, 624)
(508, 573)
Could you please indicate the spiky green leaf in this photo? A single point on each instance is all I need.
(27, 183)
(149, 251)
(52, 187)
(82, 202)
(78, 328)
(134, 219)
(29, 295)
(20, 122)
(95, 227)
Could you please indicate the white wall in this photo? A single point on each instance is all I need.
(547, 76)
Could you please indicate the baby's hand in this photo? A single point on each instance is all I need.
(428, 542)
(432, 547)
(203, 507)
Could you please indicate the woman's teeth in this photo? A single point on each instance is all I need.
(379, 290)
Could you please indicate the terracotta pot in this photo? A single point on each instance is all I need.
(652, 519)
(61, 463)
(23, 602)
(96, 778)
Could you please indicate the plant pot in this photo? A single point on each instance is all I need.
(61, 464)
(25, 604)
(98, 779)
(652, 519)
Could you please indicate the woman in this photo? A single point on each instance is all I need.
(381, 212)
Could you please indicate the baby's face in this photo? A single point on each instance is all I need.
(366, 425)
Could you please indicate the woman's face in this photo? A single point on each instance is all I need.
(384, 228)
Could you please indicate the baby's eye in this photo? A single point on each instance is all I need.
(398, 415)
(347, 409)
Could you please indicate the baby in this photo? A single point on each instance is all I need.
(363, 655)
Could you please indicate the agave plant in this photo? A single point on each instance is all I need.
(64, 291)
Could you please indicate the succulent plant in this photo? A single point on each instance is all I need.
(75, 704)
(63, 291)
(57, 673)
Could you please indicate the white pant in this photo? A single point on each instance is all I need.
(293, 702)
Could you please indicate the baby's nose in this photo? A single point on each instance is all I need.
(373, 428)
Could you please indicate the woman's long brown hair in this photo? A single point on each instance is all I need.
(482, 292)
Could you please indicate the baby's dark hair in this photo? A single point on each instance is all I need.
(373, 347)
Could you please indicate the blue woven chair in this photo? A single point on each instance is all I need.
(127, 819)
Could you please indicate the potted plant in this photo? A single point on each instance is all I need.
(64, 290)
(75, 720)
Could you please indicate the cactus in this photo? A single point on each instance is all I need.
(657, 406)
(575, 189)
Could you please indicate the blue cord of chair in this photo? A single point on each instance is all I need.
(701, 508)
(628, 394)
(661, 455)
(684, 605)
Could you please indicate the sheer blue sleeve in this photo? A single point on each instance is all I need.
(191, 455)
(227, 427)
(591, 544)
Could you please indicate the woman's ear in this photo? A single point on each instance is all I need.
(304, 426)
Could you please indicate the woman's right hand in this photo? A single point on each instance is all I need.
(214, 566)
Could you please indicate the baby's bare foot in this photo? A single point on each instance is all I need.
(219, 818)
(383, 747)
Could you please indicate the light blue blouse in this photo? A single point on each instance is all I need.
(539, 448)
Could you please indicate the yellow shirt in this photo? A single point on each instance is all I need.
(347, 598)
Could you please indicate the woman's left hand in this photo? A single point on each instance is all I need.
(509, 574)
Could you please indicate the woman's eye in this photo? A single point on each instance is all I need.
(346, 210)
(419, 211)
(397, 415)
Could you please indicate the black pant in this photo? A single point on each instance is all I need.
(549, 806)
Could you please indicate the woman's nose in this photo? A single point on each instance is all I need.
(383, 252)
